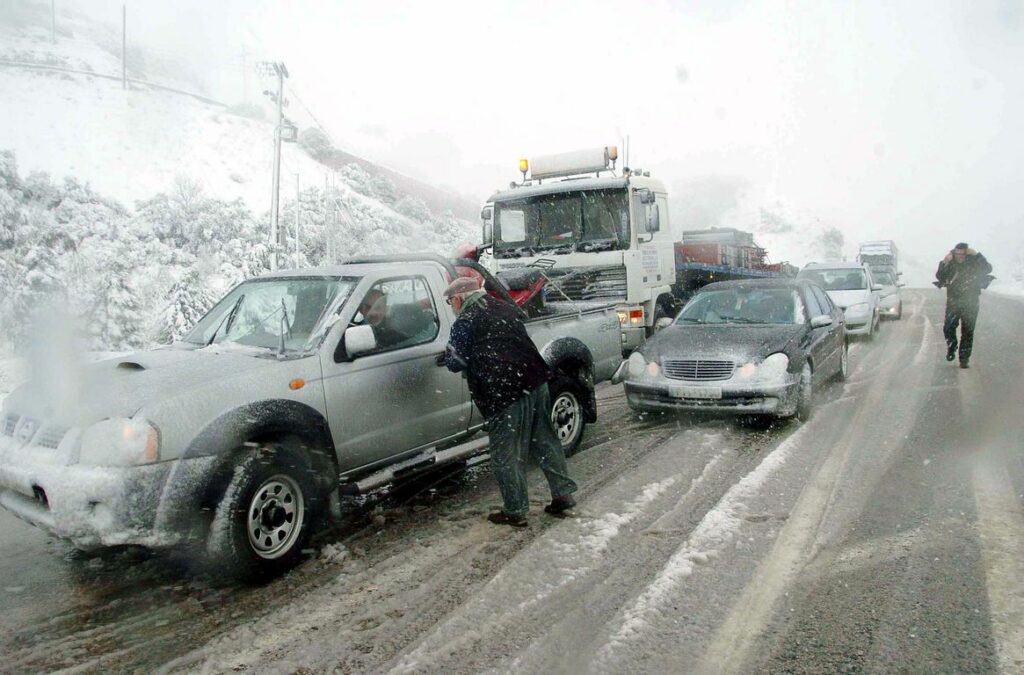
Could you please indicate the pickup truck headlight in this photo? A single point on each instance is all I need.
(120, 442)
(772, 369)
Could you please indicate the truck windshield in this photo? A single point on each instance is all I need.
(258, 312)
(593, 220)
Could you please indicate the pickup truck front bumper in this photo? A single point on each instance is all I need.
(94, 506)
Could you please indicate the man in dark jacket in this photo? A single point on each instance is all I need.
(963, 273)
(508, 380)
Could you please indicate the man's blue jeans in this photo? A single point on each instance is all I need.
(521, 432)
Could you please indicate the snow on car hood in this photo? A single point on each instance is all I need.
(846, 298)
(739, 343)
(119, 387)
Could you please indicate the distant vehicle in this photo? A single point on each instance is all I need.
(295, 388)
(890, 299)
(851, 287)
(879, 255)
(752, 347)
(603, 235)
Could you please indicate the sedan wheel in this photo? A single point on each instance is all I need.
(844, 362)
(803, 408)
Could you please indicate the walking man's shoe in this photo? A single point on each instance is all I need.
(964, 364)
(502, 518)
(951, 352)
(560, 506)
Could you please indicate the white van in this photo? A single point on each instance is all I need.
(852, 288)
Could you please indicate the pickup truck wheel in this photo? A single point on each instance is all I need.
(264, 519)
(567, 413)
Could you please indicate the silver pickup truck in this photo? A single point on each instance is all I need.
(296, 388)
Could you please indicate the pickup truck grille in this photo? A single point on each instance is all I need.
(9, 422)
(50, 437)
(597, 283)
(697, 371)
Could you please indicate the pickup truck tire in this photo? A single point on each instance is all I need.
(567, 416)
(265, 516)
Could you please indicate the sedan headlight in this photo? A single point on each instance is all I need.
(772, 369)
(640, 367)
(120, 442)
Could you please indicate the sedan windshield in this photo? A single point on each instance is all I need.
(842, 279)
(884, 278)
(744, 305)
(278, 314)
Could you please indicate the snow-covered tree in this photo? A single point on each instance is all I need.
(188, 301)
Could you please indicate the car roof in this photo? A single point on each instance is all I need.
(837, 265)
(774, 282)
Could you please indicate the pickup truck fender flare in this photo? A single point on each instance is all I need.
(570, 355)
(186, 495)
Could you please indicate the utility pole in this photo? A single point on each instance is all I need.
(298, 204)
(278, 69)
(245, 76)
(124, 46)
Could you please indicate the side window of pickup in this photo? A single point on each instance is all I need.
(401, 311)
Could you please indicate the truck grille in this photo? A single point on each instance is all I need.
(7, 428)
(50, 437)
(698, 371)
(598, 283)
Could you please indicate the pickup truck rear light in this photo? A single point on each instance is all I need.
(636, 317)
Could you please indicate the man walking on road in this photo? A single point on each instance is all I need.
(508, 380)
(963, 272)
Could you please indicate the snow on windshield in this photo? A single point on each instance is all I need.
(279, 314)
(592, 219)
(744, 305)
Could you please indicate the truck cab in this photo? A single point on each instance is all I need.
(599, 235)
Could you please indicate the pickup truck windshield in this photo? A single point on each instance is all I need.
(592, 220)
(257, 313)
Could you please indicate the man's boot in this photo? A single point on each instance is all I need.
(950, 351)
(560, 506)
(964, 362)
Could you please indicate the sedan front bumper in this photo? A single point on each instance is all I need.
(735, 398)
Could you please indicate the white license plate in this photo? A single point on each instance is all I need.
(695, 392)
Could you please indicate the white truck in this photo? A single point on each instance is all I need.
(600, 235)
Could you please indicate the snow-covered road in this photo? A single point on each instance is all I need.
(883, 534)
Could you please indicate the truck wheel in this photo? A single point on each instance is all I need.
(661, 319)
(264, 518)
(567, 412)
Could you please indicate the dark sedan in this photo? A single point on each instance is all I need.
(753, 347)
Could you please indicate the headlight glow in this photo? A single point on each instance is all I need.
(773, 368)
(637, 364)
(120, 442)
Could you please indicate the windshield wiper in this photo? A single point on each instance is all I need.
(738, 319)
(228, 319)
(596, 245)
(691, 319)
(286, 328)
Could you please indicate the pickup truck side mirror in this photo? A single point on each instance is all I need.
(821, 321)
(359, 340)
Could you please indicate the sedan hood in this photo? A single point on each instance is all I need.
(71, 395)
(739, 343)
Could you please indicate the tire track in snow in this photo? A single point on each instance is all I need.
(552, 565)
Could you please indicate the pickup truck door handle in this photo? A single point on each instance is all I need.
(439, 359)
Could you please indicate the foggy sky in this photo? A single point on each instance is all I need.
(890, 120)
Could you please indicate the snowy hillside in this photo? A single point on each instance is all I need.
(131, 144)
